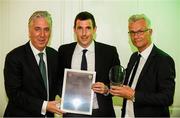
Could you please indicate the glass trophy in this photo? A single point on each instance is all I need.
(116, 75)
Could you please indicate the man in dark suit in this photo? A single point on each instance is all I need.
(31, 89)
(149, 91)
(100, 58)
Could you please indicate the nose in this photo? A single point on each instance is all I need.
(83, 32)
(42, 33)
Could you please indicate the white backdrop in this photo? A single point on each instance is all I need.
(111, 17)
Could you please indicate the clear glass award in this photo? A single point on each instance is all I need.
(116, 75)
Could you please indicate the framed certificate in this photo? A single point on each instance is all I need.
(77, 95)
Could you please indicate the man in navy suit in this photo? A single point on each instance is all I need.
(28, 93)
(100, 58)
(150, 92)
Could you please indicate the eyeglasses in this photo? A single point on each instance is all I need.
(140, 32)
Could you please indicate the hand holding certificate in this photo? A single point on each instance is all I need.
(77, 95)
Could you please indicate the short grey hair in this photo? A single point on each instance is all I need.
(41, 14)
(137, 17)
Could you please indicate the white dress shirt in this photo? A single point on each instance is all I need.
(90, 56)
(36, 52)
(144, 56)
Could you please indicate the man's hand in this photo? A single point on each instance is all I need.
(99, 87)
(54, 107)
(122, 91)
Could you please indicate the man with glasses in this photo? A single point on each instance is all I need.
(149, 84)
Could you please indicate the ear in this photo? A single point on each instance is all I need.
(29, 34)
(150, 31)
(74, 30)
(95, 29)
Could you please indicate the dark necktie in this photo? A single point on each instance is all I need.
(42, 68)
(134, 70)
(84, 61)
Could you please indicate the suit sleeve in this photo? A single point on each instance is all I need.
(61, 67)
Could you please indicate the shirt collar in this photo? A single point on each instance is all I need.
(90, 48)
(147, 51)
(35, 51)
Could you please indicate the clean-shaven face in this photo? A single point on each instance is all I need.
(39, 33)
(140, 34)
(84, 31)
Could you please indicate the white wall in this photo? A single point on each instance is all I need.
(3, 99)
(111, 17)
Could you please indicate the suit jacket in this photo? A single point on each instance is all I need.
(105, 57)
(154, 91)
(24, 84)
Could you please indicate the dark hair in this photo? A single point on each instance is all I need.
(85, 16)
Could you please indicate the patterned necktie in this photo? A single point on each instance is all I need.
(134, 70)
(42, 68)
(84, 61)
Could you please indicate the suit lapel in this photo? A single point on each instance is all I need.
(130, 67)
(97, 57)
(70, 54)
(148, 62)
(34, 66)
(49, 68)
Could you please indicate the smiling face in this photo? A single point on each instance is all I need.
(140, 34)
(84, 31)
(39, 33)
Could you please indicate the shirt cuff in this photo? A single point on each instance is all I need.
(43, 109)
